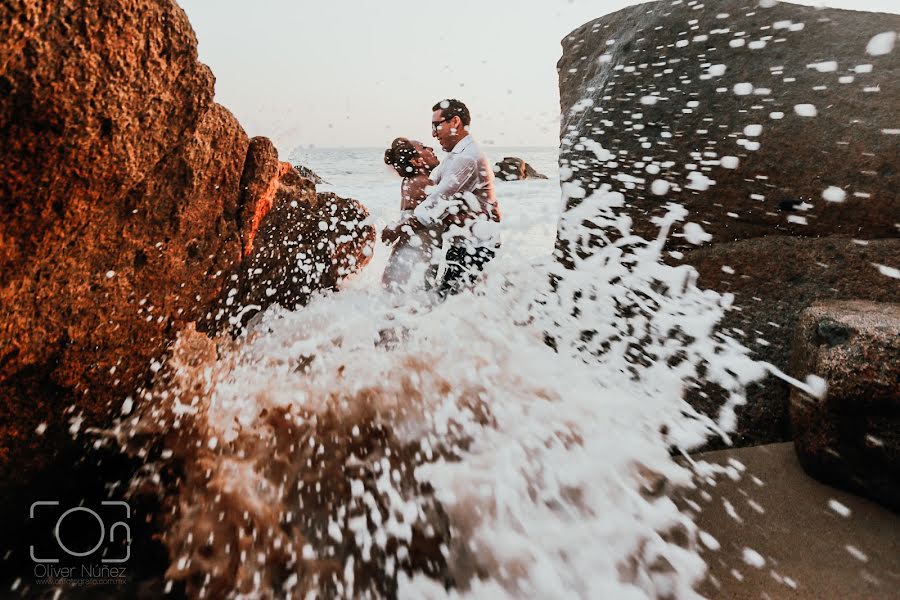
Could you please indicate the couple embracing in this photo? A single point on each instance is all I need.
(450, 206)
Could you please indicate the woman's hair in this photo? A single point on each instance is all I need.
(400, 156)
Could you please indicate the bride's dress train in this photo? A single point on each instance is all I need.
(412, 264)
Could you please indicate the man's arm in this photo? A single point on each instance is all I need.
(446, 198)
(413, 194)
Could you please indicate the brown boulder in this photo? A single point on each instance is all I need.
(308, 173)
(94, 95)
(125, 203)
(259, 183)
(773, 280)
(662, 87)
(652, 94)
(512, 168)
(308, 242)
(118, 192)
(850, 438)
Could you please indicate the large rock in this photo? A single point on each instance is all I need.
(308, 173)
(661, 86)
(259, 184)
(512, 168)
(127, 199)
(851, 437)
(774, 279)
(119, 185)
(654, 106)
(307, 242)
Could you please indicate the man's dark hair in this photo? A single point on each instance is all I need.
(451, 107)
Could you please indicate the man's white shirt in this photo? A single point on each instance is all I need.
(464, 182)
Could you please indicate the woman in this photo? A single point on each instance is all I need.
(410, 263)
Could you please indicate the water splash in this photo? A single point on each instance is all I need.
(510, 442)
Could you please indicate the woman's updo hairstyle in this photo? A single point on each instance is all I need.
(400, 156)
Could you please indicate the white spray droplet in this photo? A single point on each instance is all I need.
(730, 162)
(839, 508)
(834, 194)
(889, 271)
(695, 234)
(753, 130)
(660, 187)
(881, 44)
(753, 558)
(805, 110)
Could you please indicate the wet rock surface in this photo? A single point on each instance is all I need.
(703, 89)
(119, 180)
(127, 199)
(307, 242)
(709, 106)
(259, 183)
(851, 437)
(308, 173)
(774, 279)
(512, 168)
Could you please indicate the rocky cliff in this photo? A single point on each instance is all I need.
(127, 199)
(775, 125)
(851, 438)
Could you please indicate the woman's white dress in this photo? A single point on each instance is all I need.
(412, 263)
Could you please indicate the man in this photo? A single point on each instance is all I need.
(462, 199)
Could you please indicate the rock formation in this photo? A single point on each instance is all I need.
(307, 242)
(308, 173)
(120, 186)
(127, 199)
(850, 438)
(512, 168)
(711, 106)
(259, 183)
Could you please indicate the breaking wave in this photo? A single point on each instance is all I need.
(513, 441)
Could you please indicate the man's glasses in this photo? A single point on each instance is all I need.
(436, 124)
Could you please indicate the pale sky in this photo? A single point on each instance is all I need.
(361, 72)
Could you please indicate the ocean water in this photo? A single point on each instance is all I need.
(531, 208)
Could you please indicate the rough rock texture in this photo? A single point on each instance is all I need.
(259, 183)
(308, 242)
(308, 173)
(654, 96)
(654, 106)
(775, 278)
(512, 168)
(850, 438)
(127, 199)
(118, 190)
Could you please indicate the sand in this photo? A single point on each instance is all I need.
(799, 535)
